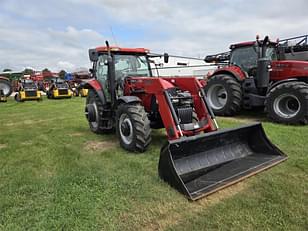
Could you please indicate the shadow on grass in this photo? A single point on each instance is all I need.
(247, 116)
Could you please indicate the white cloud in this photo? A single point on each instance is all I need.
(66, 65)
(57, 35)
(54, 49)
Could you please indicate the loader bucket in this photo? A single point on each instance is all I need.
(200, 165)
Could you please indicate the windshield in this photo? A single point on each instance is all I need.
(28, 81)
(246, 57)
(271, 53)
(60, 81)
(125, 66)
(131, 65)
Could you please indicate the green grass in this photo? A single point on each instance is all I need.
(51, 179)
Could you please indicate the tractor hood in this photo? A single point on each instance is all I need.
(286, 69)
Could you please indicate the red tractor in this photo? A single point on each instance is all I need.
(257, 75)
(5, 86)
(197, 159)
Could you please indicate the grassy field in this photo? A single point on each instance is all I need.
(57, 175)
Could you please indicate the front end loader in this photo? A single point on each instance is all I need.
(198, 158)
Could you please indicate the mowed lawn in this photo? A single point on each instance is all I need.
(57, 175)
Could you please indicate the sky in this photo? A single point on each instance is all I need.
(57, 34)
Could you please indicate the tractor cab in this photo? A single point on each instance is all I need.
(28, 84)
(126, 62)
(246, 55)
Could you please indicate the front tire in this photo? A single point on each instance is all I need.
(224, 94)
(17, 98)
(133, 127)
(288, 103)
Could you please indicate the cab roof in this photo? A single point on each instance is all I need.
(248, 44)
(123, 50)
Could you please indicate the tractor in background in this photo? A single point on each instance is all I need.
(197, 159)
(27, 90)
(256, 74)
(59, 89)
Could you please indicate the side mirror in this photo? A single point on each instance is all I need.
(166, 57)
(93, 55)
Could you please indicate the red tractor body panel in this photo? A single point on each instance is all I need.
(281, 70)
(288, 69)
(95, 84)
(236, 71)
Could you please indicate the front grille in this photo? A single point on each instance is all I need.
(63, 91)
(30, 93)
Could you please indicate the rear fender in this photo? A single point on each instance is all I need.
(97, 87)
(4, 78)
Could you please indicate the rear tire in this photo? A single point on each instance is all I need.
(133, 127)
(288, 103)
(6, 86)
(97, 126)
(224, 94)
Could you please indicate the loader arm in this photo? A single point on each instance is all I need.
(159, 87)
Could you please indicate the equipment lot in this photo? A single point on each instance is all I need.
(56, 174)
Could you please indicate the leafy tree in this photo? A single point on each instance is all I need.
(46, 70)
(28, 71)
(62, 74)
(7, 70)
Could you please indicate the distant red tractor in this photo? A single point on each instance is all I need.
(258, 76)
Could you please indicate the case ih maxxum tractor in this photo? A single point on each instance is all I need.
(257, 74)
(197, 159)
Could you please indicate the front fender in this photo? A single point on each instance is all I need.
(97, 87)
(280, 82)
(128, 99)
